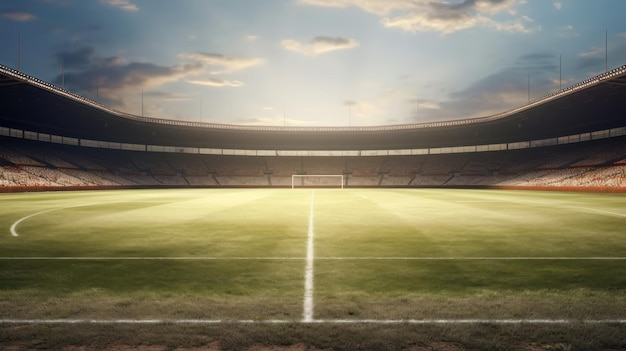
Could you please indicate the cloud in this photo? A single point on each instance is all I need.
(567, 30)
(118, 82)
(58, 2)
(19, 16)
(593, 60)
(125, 5)
(425, 104)
(499, 91)
(319, 45)
(594, 52)
(77, 58)
(437, 15)
(222, 63)
(213, 82)
(377, 7)
(558, 5)
(273, 121)
(114, 78)
(165, 96)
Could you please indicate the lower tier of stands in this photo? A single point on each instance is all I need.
(25, 163)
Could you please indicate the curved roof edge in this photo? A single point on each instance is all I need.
(612, 74)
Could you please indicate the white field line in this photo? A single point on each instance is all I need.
(469, 258)
(151, 258)
(308, 272)
(16, 223)
(326, 258)
(609, 213)
(575, 208)
(14, 226)
(550, 205)
(317, 321)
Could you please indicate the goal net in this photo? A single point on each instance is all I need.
(318, 180)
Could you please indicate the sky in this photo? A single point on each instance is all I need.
(312, 62)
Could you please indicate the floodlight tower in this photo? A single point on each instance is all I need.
(350, 115)
(19, 50)
(560, 72)
(349, 103)
(528, 86)
(606, 50)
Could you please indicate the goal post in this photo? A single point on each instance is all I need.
(327, 180)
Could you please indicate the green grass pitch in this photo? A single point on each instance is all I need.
(379, 255)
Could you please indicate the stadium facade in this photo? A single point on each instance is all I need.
(51, 139)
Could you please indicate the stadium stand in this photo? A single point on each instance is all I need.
(16, 158)
(599, 163)
(572, 138)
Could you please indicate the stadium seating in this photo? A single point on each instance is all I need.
(24, 163)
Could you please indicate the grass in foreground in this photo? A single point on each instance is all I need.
(240, 254)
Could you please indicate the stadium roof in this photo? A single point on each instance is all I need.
(31, 104)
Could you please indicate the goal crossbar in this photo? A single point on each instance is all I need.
(302, 176)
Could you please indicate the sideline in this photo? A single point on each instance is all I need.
(323, 258)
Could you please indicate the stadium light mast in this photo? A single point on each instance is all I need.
(606, 50)
(528, 86)
(349, 103)
(19, 50)
(560, 72)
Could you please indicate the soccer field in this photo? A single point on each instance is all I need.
(313, 256)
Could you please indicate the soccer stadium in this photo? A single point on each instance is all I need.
(308, 175)
(484, 233)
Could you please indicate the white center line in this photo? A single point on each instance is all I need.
(308, 273)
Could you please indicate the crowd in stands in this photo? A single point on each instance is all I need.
(600, 163)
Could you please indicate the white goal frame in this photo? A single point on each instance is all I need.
(294, 176)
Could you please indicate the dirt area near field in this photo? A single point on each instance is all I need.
(436, 346)
(211, 347)
(296, 337)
